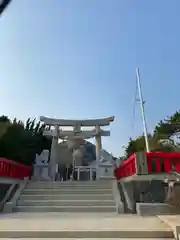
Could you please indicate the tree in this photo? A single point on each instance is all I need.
(21, 142)
(169, 129)
(4, 124)
(165, 137)
(138, 145)
(3, 5)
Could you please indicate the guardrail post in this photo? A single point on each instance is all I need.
(141, 163)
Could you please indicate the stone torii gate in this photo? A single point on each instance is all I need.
(75, 135)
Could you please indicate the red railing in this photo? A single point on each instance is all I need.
(157, 162)
(127, 168)
(163, 162)
(11, 169)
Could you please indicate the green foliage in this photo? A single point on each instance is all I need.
(168, 128)
(4, 119)
(165, 137)
(4, 124)
(21, 142)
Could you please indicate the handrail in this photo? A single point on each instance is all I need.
(11, 169)
(162, 162)
(127, 168)
(164, 154)
(157, 163)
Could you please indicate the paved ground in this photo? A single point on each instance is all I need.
(173, 221)
(51, 225)
(85, 239)
(22, 221)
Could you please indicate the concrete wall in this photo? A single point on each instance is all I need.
(154, 209)
(106, 170)
(127, 194)
(150, 191)
(3, 190)
(173, 197)
(7, 191)
(133, 192)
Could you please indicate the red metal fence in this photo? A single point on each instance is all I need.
(11, 169)
(127, 168)
(157, 162)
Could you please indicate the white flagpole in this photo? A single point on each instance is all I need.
(142, 109)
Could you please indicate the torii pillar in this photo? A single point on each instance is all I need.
(98, 148)
(53, 156)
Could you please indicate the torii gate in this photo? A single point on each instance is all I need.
(75, 135)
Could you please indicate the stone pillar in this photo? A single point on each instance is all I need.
(90, 174)
(141, 163)
(53, 157)
(77, 129)
(78, 174)
(98, 148)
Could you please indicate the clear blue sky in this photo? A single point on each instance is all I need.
(77, 59)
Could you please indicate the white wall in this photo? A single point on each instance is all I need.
(105, 156)
(106, 171)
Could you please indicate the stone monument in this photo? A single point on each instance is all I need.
(41, 166)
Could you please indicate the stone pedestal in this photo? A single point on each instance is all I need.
(45, 172)
(41, 172)
(41, 166)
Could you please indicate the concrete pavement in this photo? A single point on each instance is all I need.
(51, 225)
(173, 221)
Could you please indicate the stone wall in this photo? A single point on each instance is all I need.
(7, 191)
(3, 190)
(173, 197)
(133, 192)
(154, 209)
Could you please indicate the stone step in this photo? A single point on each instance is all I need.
(67, 209)
(66, 191)
(75, 226)
(66, 196)
(83, 203)
(67, 187)
(87, 239)
(72, 183)
(98, 182)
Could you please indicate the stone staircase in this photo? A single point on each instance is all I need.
(75, 210)
(85, 226)
(71, 196)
